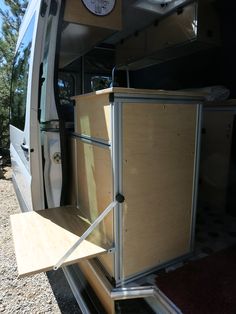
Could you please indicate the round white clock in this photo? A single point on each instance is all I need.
(100, 7)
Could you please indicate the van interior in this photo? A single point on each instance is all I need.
(197, 283)
(195, 51)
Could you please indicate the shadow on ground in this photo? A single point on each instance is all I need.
(62, 292)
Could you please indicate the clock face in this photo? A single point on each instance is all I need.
(99, 7)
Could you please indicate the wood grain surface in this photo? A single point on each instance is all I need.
(42, 238)
(158, 168)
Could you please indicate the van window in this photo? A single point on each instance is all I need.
(20, 78)
(45, 99)
(66, 89)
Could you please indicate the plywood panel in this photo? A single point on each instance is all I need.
(96, 283)
(158, 166)
(163, 32)
(76, 12)
(95, 192)
(72, 190)
(145, 92)
(93, 116)
(42, 238)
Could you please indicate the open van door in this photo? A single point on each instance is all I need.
(26, 106)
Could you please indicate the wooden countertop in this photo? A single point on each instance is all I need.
(41, 238)
(146, 92)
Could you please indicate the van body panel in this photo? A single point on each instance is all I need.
(31, 136)
(26, 149)
(20, 166)
(52, 168)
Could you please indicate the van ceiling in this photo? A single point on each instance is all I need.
(136, 14)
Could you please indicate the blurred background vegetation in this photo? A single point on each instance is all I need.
(11, 15)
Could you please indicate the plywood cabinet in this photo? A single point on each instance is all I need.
(193, 28)
(93, 117)
(148, 152)
(76, 12)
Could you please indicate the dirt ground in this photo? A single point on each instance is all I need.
(43, 293)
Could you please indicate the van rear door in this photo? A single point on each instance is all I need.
(25, 148)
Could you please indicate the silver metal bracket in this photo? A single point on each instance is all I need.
(85, 234)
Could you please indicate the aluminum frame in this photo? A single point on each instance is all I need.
(196, 174)
(116, 147)
(156, 299)
(91, 140)
(119, 99)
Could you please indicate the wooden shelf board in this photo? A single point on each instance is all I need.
(135, 91)
(41, 238)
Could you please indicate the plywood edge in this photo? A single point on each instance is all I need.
(40, 242)
(94, 276)
(136, 91)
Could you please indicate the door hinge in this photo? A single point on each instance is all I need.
(43, 8)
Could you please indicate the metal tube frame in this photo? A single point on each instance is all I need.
(91, 140)
(151, 292)
(116, 160)
(196, 174)
(120, 174)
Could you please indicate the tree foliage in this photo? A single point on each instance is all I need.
(11, 19)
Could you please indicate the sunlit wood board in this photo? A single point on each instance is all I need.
(42, 238)
(158, 176)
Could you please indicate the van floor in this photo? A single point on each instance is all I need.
(214, 231)
(207, 283)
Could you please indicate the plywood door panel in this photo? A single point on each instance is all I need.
(158, 167)
(93, 116)
(42, 238)
(95, 191)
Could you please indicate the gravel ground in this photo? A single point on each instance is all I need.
(43, 293)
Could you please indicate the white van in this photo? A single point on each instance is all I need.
(106, 129)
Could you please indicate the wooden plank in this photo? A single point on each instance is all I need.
(164, 35)
(72, 170)
(95, 193)
(154, 92)
(76, 12)
(93, 117)
(104, 295)
(158, 166)
(41, 239)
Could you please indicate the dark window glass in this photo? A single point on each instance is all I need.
(20, 79)
(66, 88)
